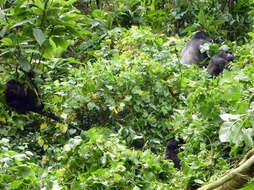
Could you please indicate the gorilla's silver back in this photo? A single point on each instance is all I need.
(191, 52)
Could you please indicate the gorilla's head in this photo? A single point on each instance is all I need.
(228, 55)
(201, 35)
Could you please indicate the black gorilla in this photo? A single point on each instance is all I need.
(219, 62)
(21, 98)
(172, 150)
(191, 52)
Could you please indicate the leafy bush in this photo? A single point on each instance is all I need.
(34, 31)
(100, 70)
(98, 159)
(17, 171)
(224, 19)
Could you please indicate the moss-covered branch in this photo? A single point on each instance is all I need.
(237, 177)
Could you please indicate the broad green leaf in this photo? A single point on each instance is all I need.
(117, 177)
(72, 131)
(48, 48)
(2, 14)
(41, 142)
(7, 42)
(202, 18)
(24, 64)
(25, 171)
(3, 31)
(241, 77)
(28, 5)
(39, 35)
(39, 4)
(232, 93)
(16, 184)
(43, 125)
(63, 128)
(218, 22)
(56, 186)
(251, 34)
(198, 181)
(249, 186)
(227, 117)
(225, 131)
(70, 2)
(30, 21)
(237, 134)
(248, 134)
(91, 105)
(243, 107)
(55, 47)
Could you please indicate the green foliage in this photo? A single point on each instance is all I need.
(98, 159)
(33, 31)
(223, 19)
(17, 171)
(137, 92)
(249, 186)
(109, 68)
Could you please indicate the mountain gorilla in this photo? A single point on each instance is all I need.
(172, 150)
(219, 62)
(191, 52)
(22, 98)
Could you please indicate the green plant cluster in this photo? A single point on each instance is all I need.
(115, 78)
(99, 160)
(95, 160)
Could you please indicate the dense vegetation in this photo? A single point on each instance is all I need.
(110, 70)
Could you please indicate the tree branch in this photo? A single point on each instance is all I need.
(237, 177)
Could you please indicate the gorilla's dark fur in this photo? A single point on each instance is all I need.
(191, 52)
(21, 98)
(172, 150)
(219, 62)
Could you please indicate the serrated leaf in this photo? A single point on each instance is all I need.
(39, 36)
(201, 17)
(41, 142)
(43, 125)
(64, 128)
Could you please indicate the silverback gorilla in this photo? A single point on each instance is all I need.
(219, 62)
(191, 52)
